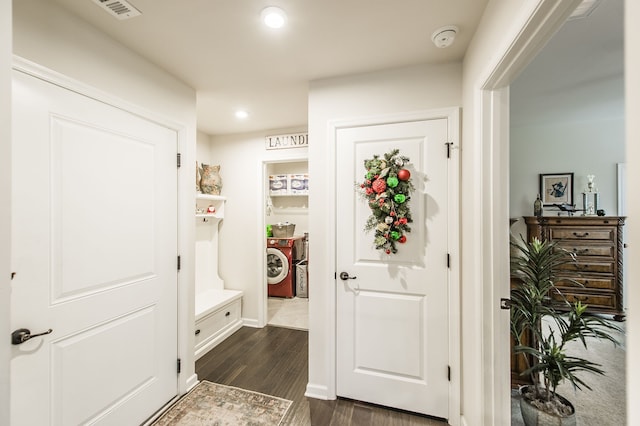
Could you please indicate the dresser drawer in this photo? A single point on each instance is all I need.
(213, 324)
(594, 300)
(581, 249)
(589, 266)
(599, 234)
(606, 283)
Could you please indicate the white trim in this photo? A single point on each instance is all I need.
(262, 295)
(453, 118)
(492, 133)
(184, 285)
(250, 322)
(621, 174)
(318, 392)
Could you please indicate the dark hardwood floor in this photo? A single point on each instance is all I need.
(273, 360)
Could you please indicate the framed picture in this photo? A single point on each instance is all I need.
(556, 188)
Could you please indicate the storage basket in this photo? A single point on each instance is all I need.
(283, 230)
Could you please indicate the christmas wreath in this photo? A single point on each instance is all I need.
(387, 188)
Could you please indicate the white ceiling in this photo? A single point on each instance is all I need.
(220, 48)
(579, 75)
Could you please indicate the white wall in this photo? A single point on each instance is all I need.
(593, 146)
(508, 32)
(632, 100)
(242, 235)
(386, 92)
(5, 211)
(52, 37)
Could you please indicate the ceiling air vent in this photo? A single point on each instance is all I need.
(584, 9)
(121, 9)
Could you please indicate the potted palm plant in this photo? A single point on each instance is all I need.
(541, 333)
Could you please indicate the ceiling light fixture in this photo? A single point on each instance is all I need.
(273, 17)
(241, 114)
(443, 37)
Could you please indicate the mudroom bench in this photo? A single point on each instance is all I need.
(218, 315)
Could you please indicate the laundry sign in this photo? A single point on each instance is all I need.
(295, 140)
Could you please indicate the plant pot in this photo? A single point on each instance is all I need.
(534, 416)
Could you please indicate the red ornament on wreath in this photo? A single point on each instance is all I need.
(379, 185)
(404, 174)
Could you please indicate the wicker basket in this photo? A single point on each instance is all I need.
(283, 230)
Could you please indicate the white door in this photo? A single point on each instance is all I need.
(94, 251)
(392, 314)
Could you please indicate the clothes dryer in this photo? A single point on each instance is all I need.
(282, 254)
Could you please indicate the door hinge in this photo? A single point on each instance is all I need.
(179, 160)
(448, 260)
(448, 372)
(449, 145)
(179, 365)
(178, 263)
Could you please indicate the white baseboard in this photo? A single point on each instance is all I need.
(191, 382)
(250, 323)
(318, 392)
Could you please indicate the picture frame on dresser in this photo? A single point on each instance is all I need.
(556, 188)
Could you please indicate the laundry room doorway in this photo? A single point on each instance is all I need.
(286, 243)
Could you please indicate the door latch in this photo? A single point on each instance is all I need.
(505, 303)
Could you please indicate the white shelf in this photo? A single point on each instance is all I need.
(203, 201)
(288, 195)
(210, 197)
(207, 216)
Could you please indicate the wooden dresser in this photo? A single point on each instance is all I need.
(597, 243)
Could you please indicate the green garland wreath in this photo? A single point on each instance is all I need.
(387, 188)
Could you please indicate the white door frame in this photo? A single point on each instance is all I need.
(491, 105)
(186, 228)
(263, 296)
(453, 117)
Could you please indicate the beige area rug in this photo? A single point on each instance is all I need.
(605, 404)
(212, 404)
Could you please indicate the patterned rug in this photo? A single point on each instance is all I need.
(213, 404)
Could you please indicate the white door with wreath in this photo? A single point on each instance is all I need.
(393, 280)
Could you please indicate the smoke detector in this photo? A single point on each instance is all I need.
(443, 37)
(120, 9)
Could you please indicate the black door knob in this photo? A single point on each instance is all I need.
(21, 335)
(345, 276)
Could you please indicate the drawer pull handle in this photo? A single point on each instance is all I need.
(227, 314)
(581, 234)
(580, 251)
(582, 298)
(197, 332)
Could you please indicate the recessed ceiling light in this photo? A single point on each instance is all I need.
(273, 17)
(241, 114)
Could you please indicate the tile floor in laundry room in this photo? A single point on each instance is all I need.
(289, 313)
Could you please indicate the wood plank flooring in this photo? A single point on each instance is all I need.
(274, 360)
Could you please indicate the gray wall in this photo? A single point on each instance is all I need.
(567, 111)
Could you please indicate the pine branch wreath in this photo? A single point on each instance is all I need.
(387, 189)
